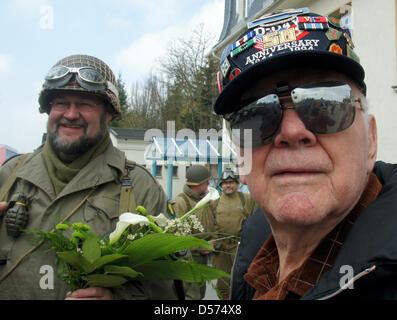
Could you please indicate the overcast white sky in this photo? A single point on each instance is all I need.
(129, 35)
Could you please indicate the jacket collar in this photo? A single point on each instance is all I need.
(192, 194)
(95, 173)
(370, 243)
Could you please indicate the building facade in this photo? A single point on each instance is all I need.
(152, 155)
(6, 152)
(373, 26)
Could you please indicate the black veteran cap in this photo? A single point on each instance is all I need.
(283, 40)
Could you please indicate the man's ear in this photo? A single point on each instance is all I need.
(108, 117)
(372, 142)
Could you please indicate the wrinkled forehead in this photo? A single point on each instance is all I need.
(294, 78)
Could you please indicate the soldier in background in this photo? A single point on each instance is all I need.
(225, 217)
(197, 181)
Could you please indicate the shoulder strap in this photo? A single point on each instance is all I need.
(188, 205)
(243, 201)
(9, 183)
(242, 198)
(127, 198)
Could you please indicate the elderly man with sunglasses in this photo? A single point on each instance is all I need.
(329, 230)
(76, 176)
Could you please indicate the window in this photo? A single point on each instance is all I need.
(175, 172)
(159, 171)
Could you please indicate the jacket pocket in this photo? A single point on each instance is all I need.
(100, 205)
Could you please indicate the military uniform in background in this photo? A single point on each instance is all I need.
(196, 175)
(225, 217)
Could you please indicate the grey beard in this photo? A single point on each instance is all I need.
(77, 147)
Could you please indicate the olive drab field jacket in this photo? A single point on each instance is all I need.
(225, 216)
(35, 277)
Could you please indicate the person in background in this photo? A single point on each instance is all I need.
(195, 188)
(225, 217)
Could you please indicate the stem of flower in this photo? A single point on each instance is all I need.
(189, 213)
(154, 226)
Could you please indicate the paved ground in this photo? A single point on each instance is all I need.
(210, 293)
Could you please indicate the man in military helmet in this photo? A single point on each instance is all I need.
(195, 188)
(225, 216)
(78, 170)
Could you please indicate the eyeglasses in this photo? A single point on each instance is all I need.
(63, 106)
(324, 108)
(87, 77)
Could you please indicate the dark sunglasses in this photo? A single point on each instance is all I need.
(326, 107)
(87, 77)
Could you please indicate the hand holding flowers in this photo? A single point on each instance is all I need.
(142, 247)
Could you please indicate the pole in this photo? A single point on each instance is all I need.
(154, 168)
(169, 181)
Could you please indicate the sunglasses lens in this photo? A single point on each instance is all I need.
(91, 75)
(57, 73)
(257, 123)
(325, 108)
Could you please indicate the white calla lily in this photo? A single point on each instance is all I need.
(161, 220)
(125, 220)
(212, 194)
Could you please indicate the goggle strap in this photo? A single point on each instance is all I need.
(112, 88)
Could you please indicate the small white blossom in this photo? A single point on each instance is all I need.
(125, 220)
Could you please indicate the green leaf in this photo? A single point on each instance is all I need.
(76, 260)
(123, 271)
(180, 270)
(158, 245)
(105, 281)
(91, 248)
(110, 258)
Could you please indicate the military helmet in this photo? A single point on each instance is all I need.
(228, 175)
(81, 73)
(196, 175)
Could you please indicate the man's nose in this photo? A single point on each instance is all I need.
(293, 132)
(72, 111)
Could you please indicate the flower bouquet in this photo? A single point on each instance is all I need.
(142, 247)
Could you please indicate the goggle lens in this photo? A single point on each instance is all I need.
(324, 108)
(57, 73)
(228, 175)
(91, 75)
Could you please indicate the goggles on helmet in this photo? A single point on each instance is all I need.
(228, 175)
(327, 107)
(87, 77)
